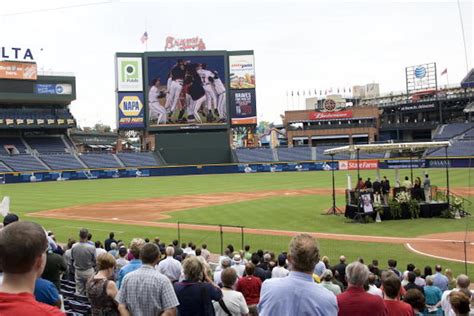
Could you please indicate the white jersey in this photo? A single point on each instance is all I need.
(153, 94)
(219, 86)
(205, 74)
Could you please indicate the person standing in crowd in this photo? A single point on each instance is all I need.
(368, 184)
(427, 188)
(109, 241)
(385, 189)
(411, 277)
(462, 284)
(259, 271)
(145, 291)
(326, 281)
(55, 267)
(341, 269)
(440, 280)
(377, 186)
(391, 288)
(416, 300)
(101, 291)
(135, 246)
(360, 184)
(197, 291)
(232, 302)
(170, 267)
(46, 292)
(225, 263)
(250, 286)
(297, 294)
(460, 303)
(280, 271)
(238, 266)
(22, 247)
(432, 293)
(392, 266)
(205, 253)
(355, 300)
(407, 183)
(83, 258)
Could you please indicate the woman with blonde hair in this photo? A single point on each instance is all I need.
(101, 291)
(451, 280)
(197, 291)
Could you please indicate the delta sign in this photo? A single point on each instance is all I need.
(131, 110)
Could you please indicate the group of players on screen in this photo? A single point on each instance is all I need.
(193, 94)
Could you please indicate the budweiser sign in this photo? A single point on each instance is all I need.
(330, 115)
(363, 164)
(194, 43)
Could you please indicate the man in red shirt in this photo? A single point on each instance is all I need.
(23, 247)
(391, 288)
(355, 300)
(250, 285)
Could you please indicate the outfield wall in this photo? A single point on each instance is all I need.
(133, 172)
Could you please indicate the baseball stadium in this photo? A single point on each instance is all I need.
(370, 175)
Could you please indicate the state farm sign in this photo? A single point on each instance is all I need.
(363, 164)
(330, 115)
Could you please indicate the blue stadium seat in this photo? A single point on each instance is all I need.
(255, 155)
(140, 159)
(46, 144)
(23, 163)
(294, 153)
(61, 161)
(100, 161)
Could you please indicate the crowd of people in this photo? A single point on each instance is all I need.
(150, 277)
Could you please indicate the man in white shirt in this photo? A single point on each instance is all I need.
(373, 289)
(280, 271)
(225, 263)
(232, 301)
(157, 111)
(170, 267)
(462, 282)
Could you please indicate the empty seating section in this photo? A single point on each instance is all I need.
(138, 159)
(46, 144)
(19, 113)
(321, 156)
(255, 155)
(22, 163)
(469, 134)
(3, 168)
(100, 161)
(294, 154)
(11, 141)
(457, 149)
(448, 131)
(371, 155)
(61, 161)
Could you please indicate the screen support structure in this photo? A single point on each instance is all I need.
(333, 210)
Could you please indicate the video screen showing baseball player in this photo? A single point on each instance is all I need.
(186, 90)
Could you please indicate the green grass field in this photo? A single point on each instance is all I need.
(299, 213)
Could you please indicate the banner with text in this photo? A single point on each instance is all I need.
(243, 107)
(18, 70)
(363, 164)
(330, 115)
(131, 110)
(242, 71)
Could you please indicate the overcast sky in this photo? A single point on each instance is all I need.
(297, 44)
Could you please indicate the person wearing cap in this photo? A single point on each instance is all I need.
(237, 265)
(280, 271)
(10, 218)
(326, 281)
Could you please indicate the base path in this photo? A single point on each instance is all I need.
(146, 212)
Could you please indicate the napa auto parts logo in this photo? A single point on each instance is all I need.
(363, 164)
(131, 110)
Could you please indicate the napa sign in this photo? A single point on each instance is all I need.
(131, 110)
(16, 53)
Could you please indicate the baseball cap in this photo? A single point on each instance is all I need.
(326, 273)
(10, 218)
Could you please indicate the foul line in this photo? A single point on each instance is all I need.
(434, 256)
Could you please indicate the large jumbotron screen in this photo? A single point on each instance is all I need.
(186, 90)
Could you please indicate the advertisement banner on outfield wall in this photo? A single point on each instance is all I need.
(243, 107)
(363, 164)
(131, 113)
(129, 74)
(242, 71)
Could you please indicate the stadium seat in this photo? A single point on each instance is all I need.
(139, 159)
